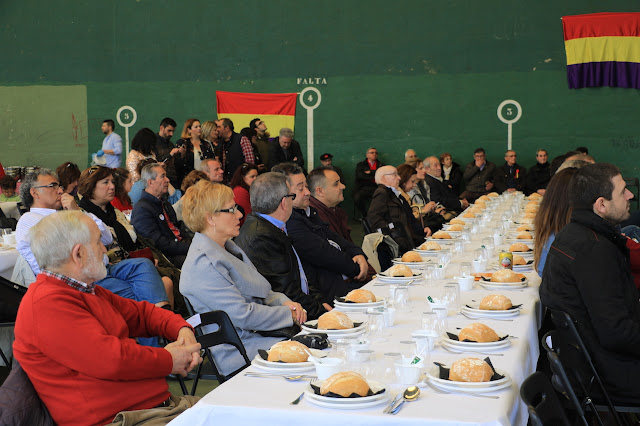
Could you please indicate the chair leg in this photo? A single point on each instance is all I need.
(195, 380)
(183, 387)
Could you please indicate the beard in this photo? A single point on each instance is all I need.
(95, 270)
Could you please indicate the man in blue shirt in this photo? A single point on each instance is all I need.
(111, 145)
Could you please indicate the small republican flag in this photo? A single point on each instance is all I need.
(603, 49)
(277, 110)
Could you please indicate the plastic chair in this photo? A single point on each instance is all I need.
(225, 334)
(542, 401)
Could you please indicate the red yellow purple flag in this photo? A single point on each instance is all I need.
(603, 49)
(277, 110)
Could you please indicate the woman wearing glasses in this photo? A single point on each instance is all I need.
(218, 275)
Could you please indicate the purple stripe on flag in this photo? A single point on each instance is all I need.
(595, 74)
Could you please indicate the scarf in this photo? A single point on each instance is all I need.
(109, 218)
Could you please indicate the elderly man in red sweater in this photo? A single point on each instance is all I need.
(73, 338)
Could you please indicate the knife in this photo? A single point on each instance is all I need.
(393, 403)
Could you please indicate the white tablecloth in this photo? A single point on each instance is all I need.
(265, 401)
(7, 261)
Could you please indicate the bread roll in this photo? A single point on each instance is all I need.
(457, 221)
(519, 260)
(288, 351)
(480, 203)
(345, 384)
(441, 235)
(529, 215)
(469, 215)
(483, 198)
(430, 245)
(411, 256)
(504, 276)
(476, 209)
(493, 195)
(456, 227)
(527, 220)
(524, 235)
(360, 295)
(470, 370)
(535, 196)
(495, 302)
(400, 271)
(519, 247)
(525, 227)
(334, 320)
(478, 332)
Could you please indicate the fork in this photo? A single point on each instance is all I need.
(460, 392)
(469, 352)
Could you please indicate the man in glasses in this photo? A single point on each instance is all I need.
(264, 238)
(511, 176)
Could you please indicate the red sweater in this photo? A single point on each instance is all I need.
(77, 350)
(241, 197)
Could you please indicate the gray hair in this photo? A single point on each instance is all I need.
(267, 191)
(204, 164)
(318, 178)
(382, 171)
(29, 182)
(149, 172)
(53, 238)
(286, 132)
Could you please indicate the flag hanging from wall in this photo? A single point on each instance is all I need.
(603, 49)
(277, 110)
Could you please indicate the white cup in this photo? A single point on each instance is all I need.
(465, 283)
(389, 316)
(10, 239)
(479, 265)
(407, 373)
(329, 367)
(430, 335)
(497, 239)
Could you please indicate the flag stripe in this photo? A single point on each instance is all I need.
(601, 25)
(257, 104)
(602, 49)
(596, 74)
(274, 122)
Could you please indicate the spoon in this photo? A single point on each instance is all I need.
(410, 394)
(313, 359)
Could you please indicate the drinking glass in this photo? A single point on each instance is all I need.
(451, 293)
(389, 366)
(465, 269)
(441, 313)
(430, 321)
(375, 326)
(401, 296)
(408, 349)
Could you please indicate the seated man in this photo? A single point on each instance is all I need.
(154, 218)
(284, 149)
(479, 176)
(326, 193)
(74, 339)
(263, 237)
(587, 275)
(439, 191)
(539, 175)
(511, 176)
(132, 278)
(336, 264)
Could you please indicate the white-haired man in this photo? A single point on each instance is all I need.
(74, 339)
(213, 169)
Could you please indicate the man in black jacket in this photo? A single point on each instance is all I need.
(229, 149)
(439, 191)
(285, 149)
(539, 175)
(264, 238)
(587, 274)
(336, 264)
(510, 177)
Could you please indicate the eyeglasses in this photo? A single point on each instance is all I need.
(54, 185)
(391, 174)
(233, 209)
(292, 196)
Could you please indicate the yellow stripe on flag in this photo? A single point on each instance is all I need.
(274, 122)
(602, 49)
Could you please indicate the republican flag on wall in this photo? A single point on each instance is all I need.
(277, 110)
(603, 49)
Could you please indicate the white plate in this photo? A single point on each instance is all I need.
(516, 268)
(328, 403)
(334, 333)
(457, 348)
(398, 261)
(285, 370)
(488, 313)
(434, 376)
(491, 286)
(358, 306)
(374, 385)
(399, 280)
(507, 284)
(474, 345)
(454, 388)
(430, 252)
(282, 365)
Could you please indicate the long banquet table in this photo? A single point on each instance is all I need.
(265, 401)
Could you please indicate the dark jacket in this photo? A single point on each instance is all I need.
(271, 252)
(455, 177)
(587, 274)
(230, 154)
(510, 177)
(163, 155)
(476, 179)
(335, 217)
(365, 179)
(538, 177)
(148, 220)
(387, 208)
(441, 193)
(322, 261)
(278, 155)
(184, 165)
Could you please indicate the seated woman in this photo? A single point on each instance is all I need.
(98, 190)
(123, 183)
(143, 146)
(218, 275)
(191, 179)
(68, 175)
(241, 183)
(428, 217)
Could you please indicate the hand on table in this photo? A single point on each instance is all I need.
(364, 267)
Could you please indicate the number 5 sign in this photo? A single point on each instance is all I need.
(509, 111)
(126, 117)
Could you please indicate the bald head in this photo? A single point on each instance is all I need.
(387, 175)
(433, 167)
(410, 155)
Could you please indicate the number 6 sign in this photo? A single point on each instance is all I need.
(509, 112)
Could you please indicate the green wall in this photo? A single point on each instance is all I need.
(422, 74)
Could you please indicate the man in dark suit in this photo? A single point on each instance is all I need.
(511, 176)
(285, 149)
(439, 191)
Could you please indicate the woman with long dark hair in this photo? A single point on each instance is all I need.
(143, 146)
(241, 184)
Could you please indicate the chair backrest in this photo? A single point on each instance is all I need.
(542, 401)
(19, 402)
(11, 295)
